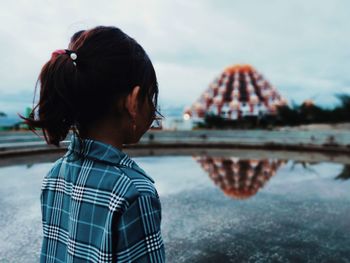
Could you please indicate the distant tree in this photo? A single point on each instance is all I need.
(305, 113)
(342, 112)
(288, 115)
(345, 100)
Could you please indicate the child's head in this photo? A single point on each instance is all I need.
(105, 76)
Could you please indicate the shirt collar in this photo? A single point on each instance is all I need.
(101, 151)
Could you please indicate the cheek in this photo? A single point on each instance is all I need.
(148, 113)
(145, 117)
(148, 121)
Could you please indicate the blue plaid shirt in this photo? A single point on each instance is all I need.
(101, 207)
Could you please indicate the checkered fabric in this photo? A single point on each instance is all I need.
(98, 205)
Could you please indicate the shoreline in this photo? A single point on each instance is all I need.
(161, 142)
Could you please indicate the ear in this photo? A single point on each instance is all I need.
(131, 101)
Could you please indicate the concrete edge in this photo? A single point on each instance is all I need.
(330, 148)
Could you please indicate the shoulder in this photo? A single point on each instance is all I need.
(129, 183)
(129, 187)
(142, 182)
(56, 165)
(118, 186)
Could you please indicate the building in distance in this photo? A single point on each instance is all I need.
(239, 92)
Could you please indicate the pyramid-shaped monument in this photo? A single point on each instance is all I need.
(237, 92)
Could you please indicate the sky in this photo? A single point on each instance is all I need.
(301, 47)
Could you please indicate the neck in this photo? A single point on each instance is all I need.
(103, 132)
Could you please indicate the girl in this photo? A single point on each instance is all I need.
(97, 204)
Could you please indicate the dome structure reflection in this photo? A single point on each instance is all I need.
(239, 178)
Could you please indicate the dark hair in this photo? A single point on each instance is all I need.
(109, 64)
(75, 37)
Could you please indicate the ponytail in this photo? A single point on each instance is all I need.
(55, 108)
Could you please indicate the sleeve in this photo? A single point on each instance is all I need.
(138, 234)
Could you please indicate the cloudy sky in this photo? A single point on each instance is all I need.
(302, 47)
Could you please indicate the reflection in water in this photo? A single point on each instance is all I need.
(239, 178)
(345, 173)
(306, 165)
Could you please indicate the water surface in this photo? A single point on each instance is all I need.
(215, 209)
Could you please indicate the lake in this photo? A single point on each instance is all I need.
(216, 208)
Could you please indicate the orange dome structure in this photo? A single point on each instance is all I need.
(239, 179)
(239, 91)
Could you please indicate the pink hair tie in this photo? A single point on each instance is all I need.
(58, 52)
(71, 54)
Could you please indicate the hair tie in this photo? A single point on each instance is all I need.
(58, 52)
(71, 54)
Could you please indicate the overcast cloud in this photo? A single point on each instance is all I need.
(302, 47)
